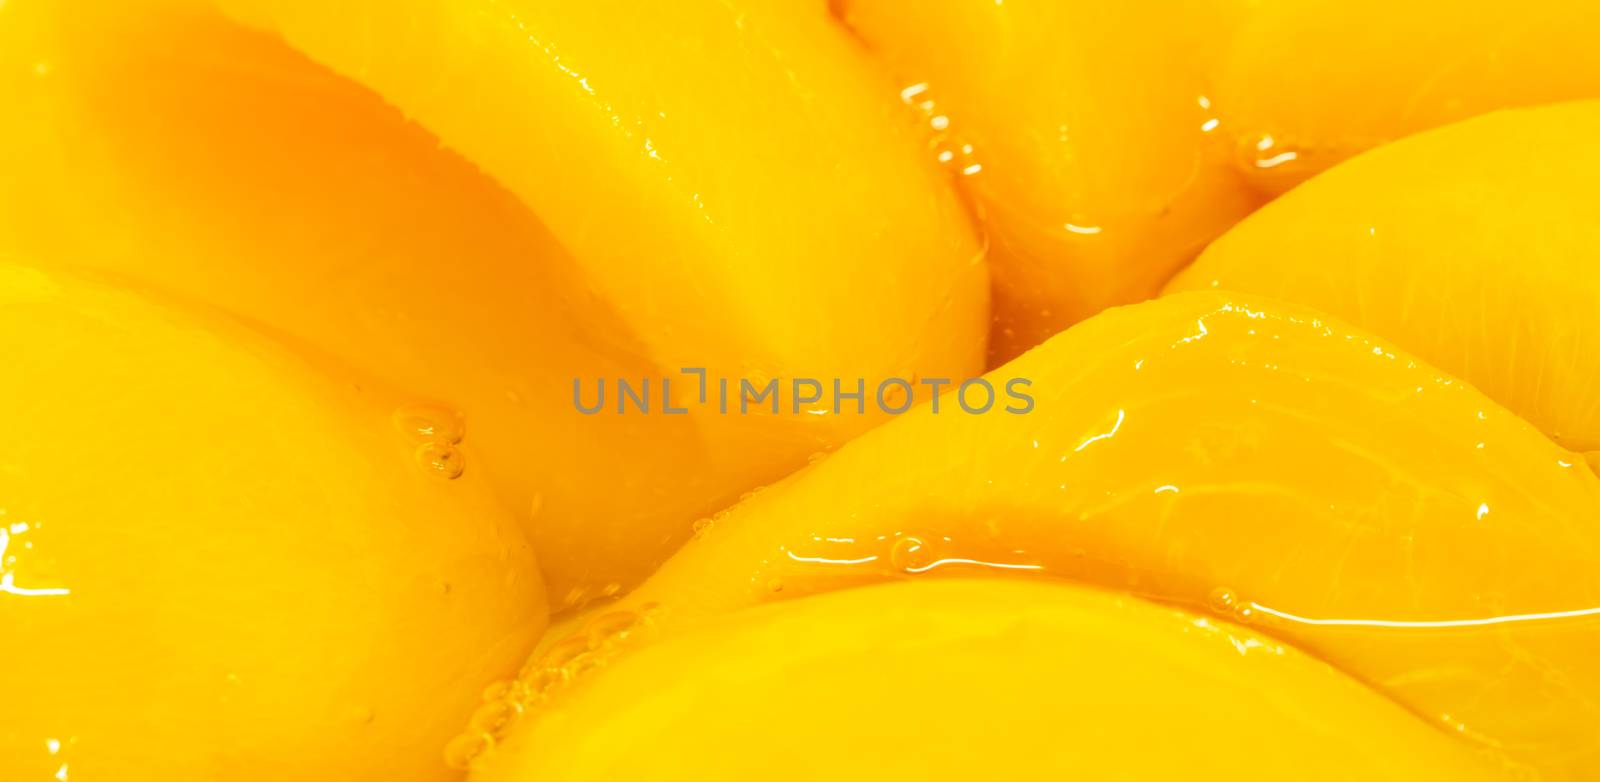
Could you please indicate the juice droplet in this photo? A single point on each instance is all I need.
(430, 423)
(602, 640)
(441, 459)
(1222, 600)
(464, 749)
(498, 691)
(574, 596)
(949, 148)
(562, 653)
(702, 527)
(755, 378)
(1244, 612)
(612, 630)
(895, 396)
(536, 679)
(910, 554)
(583, 664)
(1267, 153)
(494, 717)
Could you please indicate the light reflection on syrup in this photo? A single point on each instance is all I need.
(949, 147)
(1122, 415)
(1159, 501)
(981, 563)
(8, 583)
(828, 563)
(1485, 621)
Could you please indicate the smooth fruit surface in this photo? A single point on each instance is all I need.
(222, 560)
(1475, 246)
(1082, 134)
(1308, 83)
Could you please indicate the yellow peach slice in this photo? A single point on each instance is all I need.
(173, 147)
(1108, 142)
(160, 141)
(219, 560)
(1475, 246)
(963, 680)
(1233, 453)
(731, 175)
(1083, 134)
(1308, 83)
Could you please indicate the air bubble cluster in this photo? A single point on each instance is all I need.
(1226, 603)
(600, 641)
(949, 148)
(437, 430)
(702, 527)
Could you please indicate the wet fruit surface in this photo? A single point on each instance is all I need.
(1102, 145)
(219, 561)
(1305, 85)
(1459, 245)
(164, 136)
(1083, 135)
(413, 391)
(971, 679)
(860, 265)
(1237, 453)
